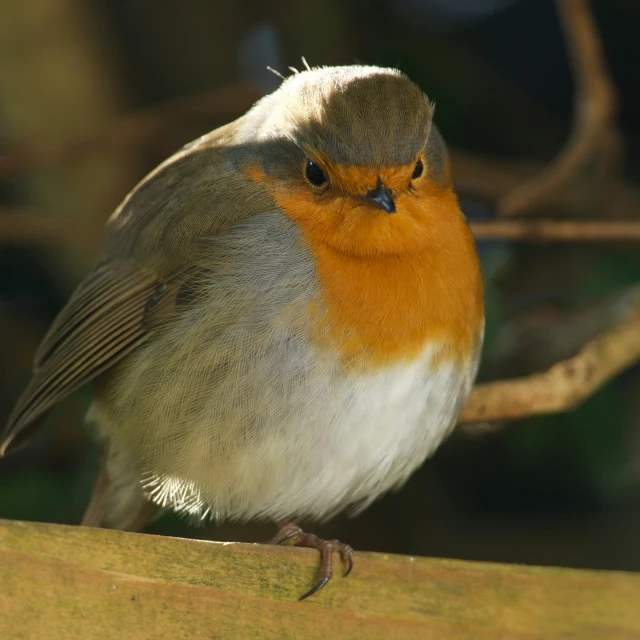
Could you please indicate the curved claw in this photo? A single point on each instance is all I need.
(292, 534)
(323, 580)
(347, 554)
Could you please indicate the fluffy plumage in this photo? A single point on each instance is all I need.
(261, 348)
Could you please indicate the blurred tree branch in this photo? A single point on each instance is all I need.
(567, 383)
(595, 133)
(487, 180)
(539, 230)
(133, 130)
(24, 227)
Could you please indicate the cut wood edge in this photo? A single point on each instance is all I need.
(62, 582)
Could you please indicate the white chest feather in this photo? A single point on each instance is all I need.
(304, 447)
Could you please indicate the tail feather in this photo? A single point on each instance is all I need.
(117, 501)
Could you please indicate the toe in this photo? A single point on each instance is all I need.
(292, 534)
(289, 534)
(347, 556)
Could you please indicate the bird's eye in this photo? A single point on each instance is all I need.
(314, 174)
(418, 169)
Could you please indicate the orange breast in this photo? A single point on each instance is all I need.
(391, 284)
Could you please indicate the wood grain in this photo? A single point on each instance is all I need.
(73, 582)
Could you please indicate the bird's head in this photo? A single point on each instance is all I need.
(352, 155)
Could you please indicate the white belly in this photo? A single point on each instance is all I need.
(306, 448)
(350, 442)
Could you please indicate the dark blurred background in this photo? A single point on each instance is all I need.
(114, 77)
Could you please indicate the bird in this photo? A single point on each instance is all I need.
(286, 318)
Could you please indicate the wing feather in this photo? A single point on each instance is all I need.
(105, 319)
(101, 291)
(160, 228)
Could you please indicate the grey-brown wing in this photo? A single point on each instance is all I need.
(105, 319)
(160, 228)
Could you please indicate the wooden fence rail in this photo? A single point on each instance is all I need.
(61, 582)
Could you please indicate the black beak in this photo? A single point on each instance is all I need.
(382, 198)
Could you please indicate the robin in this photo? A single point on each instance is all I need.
(286, 319)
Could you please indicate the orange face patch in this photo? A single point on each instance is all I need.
(391, 284)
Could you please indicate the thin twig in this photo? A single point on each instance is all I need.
(594, 129)
(544, 231)
(565, 385)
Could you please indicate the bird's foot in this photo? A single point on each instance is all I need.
(293, 535)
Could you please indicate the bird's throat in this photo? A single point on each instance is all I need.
(391, 285)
